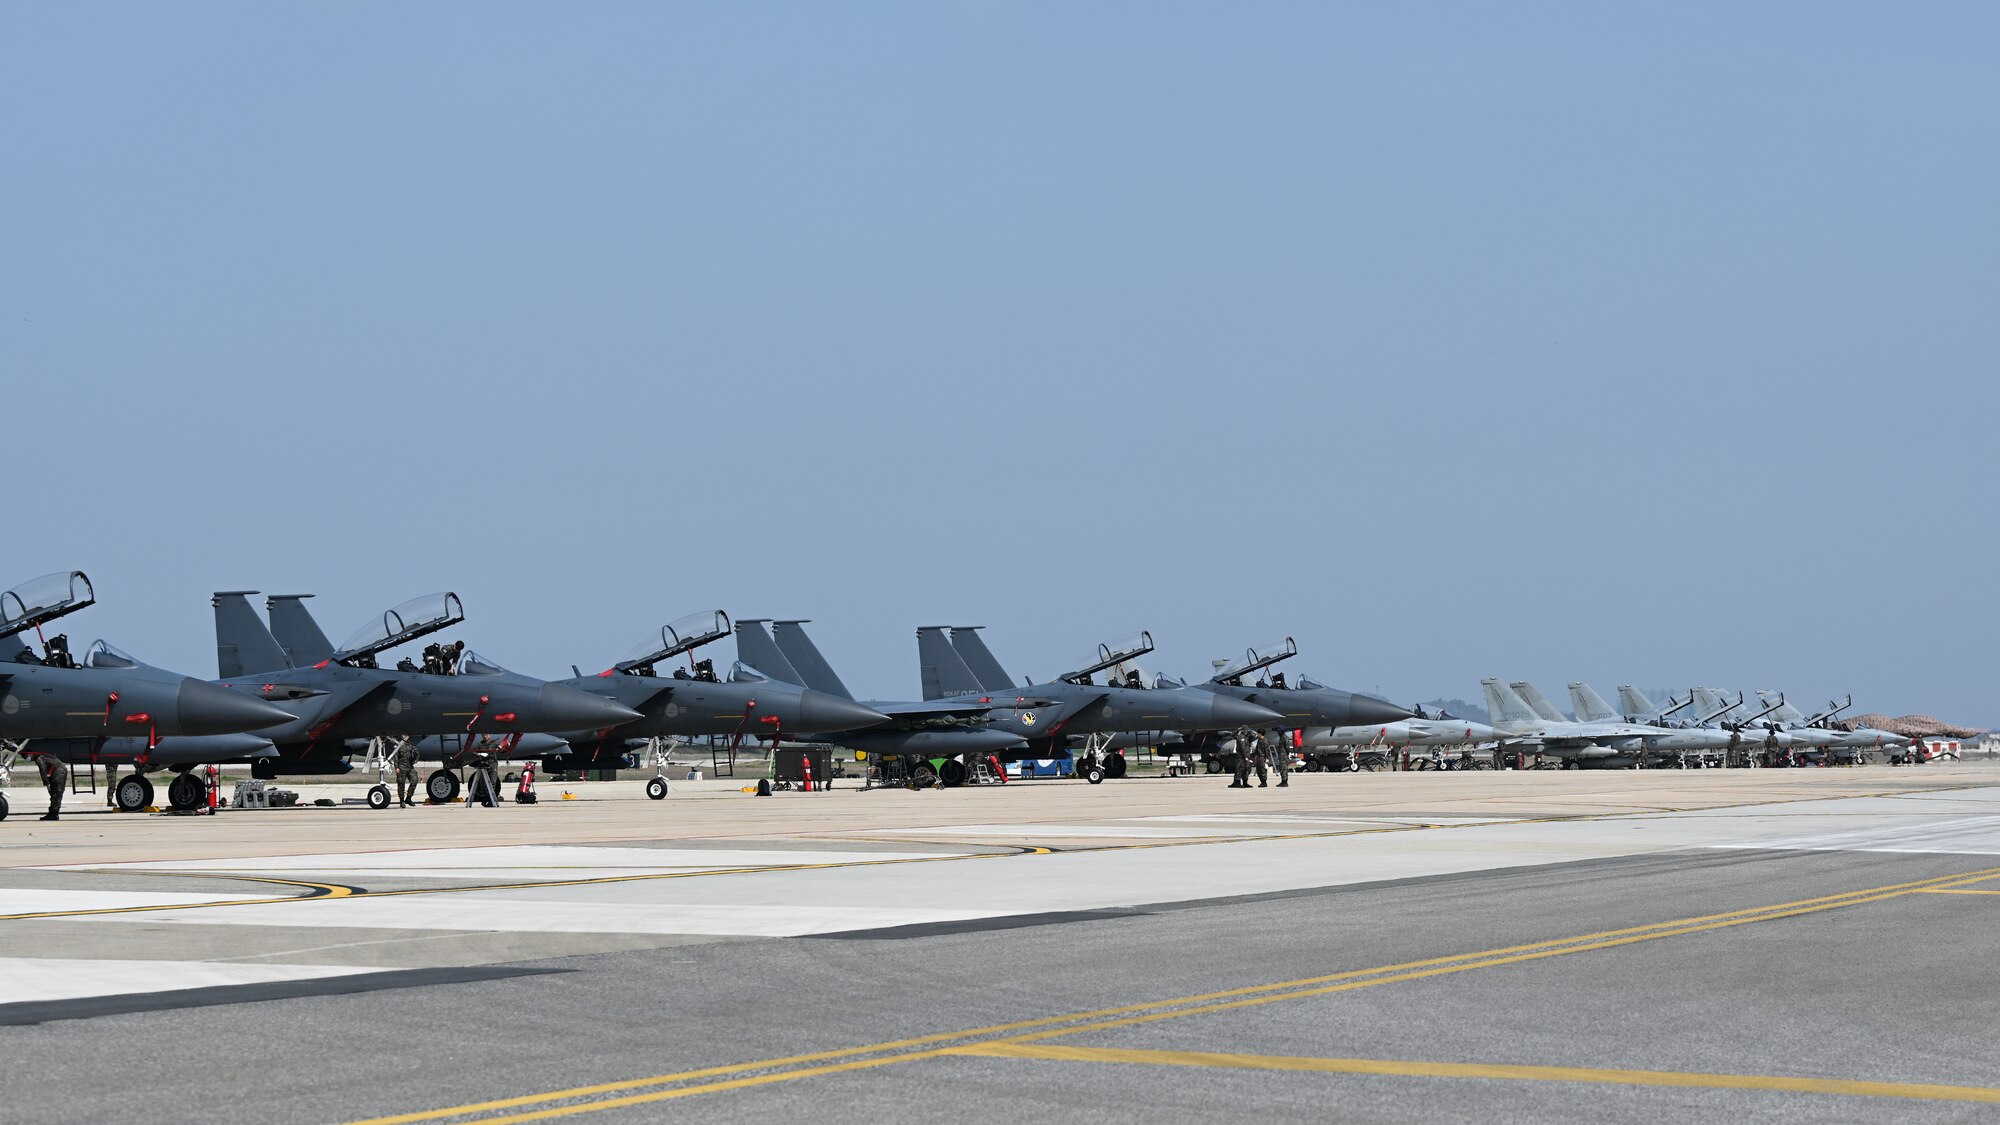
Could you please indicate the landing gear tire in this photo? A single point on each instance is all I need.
(134, 793)
(952, 771)
(1094, 775)
(1114, 766)
(186, 792)
(378, 796)
(657, 789)
(1212, 765)
(3, 806)
(923, 777)
(441, 787)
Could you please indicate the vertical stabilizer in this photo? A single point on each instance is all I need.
(1786, 713)
(1503, 706)
(803, 655)
(756, 648)
(1635, 703)
(985, 668)
(943, 671)
(1537, 702)
(296, 631)
(242, 644)
(1590, 706)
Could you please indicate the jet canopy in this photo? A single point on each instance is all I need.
(473, 664)
(104, 654)
(1261, 656)
(401, 625)
(685, 635)
(31, 604)
(1110, 654)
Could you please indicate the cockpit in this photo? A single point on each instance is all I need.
(104, 654)
(35, 603)
(405, 623)
(1257, 658)
(1111, 655)
(674, 639)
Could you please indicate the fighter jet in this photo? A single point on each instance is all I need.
(1661, 740)
(1048, 714)
(689, 701)
(935, 740)
(1544, 730)
(346, 701)
(1434, 733)
(1305, 704)
(1817, 731)
(1754, 741)
(110, 708)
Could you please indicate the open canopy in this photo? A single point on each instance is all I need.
(403, 624)
(1256, 657)
(1113, 652)
(685, 635)
(44, 599)
(104, 654)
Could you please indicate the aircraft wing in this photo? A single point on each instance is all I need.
(932, 709)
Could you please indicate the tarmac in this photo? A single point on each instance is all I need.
(1800, 944)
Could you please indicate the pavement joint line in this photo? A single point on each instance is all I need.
(943, 1044)
(1502, 1071)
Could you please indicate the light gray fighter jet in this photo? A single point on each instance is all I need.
(1662, 741)
(1546, 731)
(109, 709)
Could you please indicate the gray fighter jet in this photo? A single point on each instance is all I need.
(1305, 704)
(109, 709)
(688, 702)
(1048, 715)
(1664, 741)
(345, 701)
(934, 740)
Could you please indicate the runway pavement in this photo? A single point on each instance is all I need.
(1607, 946)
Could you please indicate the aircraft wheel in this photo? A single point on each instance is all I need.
(1114, 766)
(3, 806)
(378, 796)
(186, 793)
(134, 793)
(1212, 765)
(1094, 775)
(953, 771)
(441, 786)
(657, 789)
(923, 777)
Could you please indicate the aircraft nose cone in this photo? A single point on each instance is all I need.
(1228, 714)
(204, 708)
(565, 708)
(821, 711)
(1365, 712)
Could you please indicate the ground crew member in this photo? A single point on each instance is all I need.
(1261, 757)
(1242, 779)
(1284, 761)
(55, 777)
(405, 762)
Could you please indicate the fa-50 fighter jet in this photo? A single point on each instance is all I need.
(1542, 729)
(110, 708)
(346, 700)
(1679, 742)
(1048, 714)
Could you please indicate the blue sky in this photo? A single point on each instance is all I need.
(1646, 343)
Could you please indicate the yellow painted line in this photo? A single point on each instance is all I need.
(1508, 1072)
(317, 891)
(1957, 891)
(334, 890)
(928, 1046)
